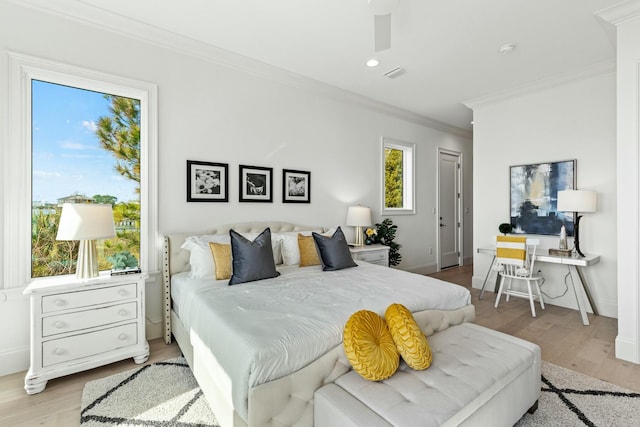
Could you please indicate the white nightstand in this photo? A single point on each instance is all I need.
(375, 254)
(81, 324)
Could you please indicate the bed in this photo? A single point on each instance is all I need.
(259, 350)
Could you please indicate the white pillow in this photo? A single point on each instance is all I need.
(201, 260)
(290, 248)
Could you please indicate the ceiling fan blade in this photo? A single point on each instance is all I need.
(381, 32)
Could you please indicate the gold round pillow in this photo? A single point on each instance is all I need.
(369, 346)
(409, 338)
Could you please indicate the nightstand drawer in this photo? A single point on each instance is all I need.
(52, 303)
(70, 322)
(83, 345)
(372, 256)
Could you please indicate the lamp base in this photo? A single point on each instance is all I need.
(359, 236)
(87, 265)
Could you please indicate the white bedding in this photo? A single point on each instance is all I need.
(263, 330)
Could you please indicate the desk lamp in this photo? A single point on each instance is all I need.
(577, 201)
(86, 222)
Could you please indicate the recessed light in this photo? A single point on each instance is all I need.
(373, 62)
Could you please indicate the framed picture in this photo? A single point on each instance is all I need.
(207, 182)
(256, 184)
(534, 197)
(296, 186)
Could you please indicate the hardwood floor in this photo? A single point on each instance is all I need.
(558, 331)
(59, 404)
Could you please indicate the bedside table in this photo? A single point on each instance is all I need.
(375, 254)
(81, 324)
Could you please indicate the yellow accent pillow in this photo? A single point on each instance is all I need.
(408, 337)
(222, 259)
(369, 346)
(308, 251)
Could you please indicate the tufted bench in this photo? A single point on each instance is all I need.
(479, 377)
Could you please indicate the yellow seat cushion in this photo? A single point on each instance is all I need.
(369, 346)
(308, 251)
(222, 259)
(408, 337)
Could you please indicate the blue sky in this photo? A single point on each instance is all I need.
(67, 157)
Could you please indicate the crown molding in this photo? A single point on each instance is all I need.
(620, 13)
(598, 69)
(88, 14)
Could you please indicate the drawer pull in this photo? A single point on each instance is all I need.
(59, 302)
(122, 312)
(59, 325)
(122, 292)
(59, 351)
(122, 337)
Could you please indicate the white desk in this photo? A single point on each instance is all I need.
(573, 263)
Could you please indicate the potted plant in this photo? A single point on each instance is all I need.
(385, 233)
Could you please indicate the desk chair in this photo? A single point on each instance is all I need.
(515, 258)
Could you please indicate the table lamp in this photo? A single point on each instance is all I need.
(358, 217)
(86, 222)
(577, 201)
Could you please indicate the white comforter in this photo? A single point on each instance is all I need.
(264, 330)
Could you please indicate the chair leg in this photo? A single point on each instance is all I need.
(508, 289)
(533, 307)
(539, 294)
(499, 292)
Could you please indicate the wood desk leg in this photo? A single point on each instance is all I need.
(484, 284)
(578, 292)
(585, 286)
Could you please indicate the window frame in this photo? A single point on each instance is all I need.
(408, 177)
(17, 154)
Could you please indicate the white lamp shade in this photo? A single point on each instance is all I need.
(577, 201)
(358, 216)
(86, 221)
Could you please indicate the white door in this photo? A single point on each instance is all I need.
(449, 209)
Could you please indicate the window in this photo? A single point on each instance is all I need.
(85, 148)
(398, 164)
(65, 124)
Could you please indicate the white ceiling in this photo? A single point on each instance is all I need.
(450, 48)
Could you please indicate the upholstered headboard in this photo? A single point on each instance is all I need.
(176, 260)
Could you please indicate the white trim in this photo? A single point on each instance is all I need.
(17, 155)
(597, 69)
(89, 14)
(620, 13)
(409, 179)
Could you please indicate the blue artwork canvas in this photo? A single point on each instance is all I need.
(534, 197)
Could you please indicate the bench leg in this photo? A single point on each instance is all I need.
(533, 408)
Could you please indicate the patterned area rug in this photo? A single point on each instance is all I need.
(161, 394)
(166, 394)
(571, 399)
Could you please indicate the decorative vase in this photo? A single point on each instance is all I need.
(368, 241)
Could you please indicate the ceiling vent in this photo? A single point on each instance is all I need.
(396, 72)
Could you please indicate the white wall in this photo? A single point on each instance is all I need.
(214, 112)
(576, 120)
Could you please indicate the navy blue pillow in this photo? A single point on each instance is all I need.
(334, 251)
(252, 260)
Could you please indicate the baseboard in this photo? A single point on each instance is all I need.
(627, 349)
(14, 360)
(153, 330)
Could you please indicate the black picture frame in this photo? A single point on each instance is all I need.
(534, 197)
(256, 184)
(296, 186)
(207, 181)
